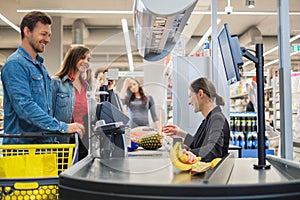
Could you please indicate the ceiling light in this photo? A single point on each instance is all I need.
(10, 23)
(63, 11)
(296, 37)
(127, 43)
(202, 40)
(130, 12)
(276, 60)
(250, 3)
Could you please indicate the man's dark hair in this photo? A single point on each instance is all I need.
(32, 18)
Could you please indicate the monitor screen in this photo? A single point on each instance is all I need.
(231, 54)
(110, 114)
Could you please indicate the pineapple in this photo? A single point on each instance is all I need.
(150, 141)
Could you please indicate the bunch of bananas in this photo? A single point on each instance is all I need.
(180, 161)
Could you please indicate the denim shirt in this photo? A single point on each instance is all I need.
(27, 98)
(63, 100)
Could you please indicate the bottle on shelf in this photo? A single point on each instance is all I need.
(231, 121)
(254, 140)
(206, 48)
(233, 126)
(254, 133)
(240, 133)
(266, 142)
(248, 133)
(249, 140)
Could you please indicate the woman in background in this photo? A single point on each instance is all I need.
(212, 137)
(69, 91)
(138, 104)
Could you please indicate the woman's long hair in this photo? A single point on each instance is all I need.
(73, 56)
(208, 88)
(131, 97)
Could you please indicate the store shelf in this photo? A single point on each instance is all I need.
(239, 96)
(268, 88)
(235, 106)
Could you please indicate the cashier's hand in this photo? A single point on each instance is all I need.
(191, 156)
(170, 130)
(76, 128)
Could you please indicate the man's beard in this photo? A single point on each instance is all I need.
(35, 47)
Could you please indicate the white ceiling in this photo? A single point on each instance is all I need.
(105, 33)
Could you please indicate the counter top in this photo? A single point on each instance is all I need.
(154, 177)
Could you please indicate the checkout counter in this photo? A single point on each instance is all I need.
(150, 175)
(110, 172)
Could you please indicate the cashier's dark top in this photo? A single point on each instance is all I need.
(212, 137)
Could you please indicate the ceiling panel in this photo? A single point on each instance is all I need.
(239, 24)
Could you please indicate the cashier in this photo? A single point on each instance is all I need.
(212, 137)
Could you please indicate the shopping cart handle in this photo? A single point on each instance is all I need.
(34, 134)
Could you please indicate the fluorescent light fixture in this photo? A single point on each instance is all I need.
(296, 37)
(10, 23)
(241, 13)
(129, 12)
(202, 40)
(271, 62)
(276, 60)
(63, 11)
(127, 43)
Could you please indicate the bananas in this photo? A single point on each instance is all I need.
(201, 167)
(184, 158)
(180, 161)
(214, 162)
(175, 160)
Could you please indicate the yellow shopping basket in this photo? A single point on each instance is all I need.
(30, 171)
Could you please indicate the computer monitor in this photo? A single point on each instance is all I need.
(109, 113)
(231, 54)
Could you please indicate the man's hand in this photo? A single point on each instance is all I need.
(76, 128)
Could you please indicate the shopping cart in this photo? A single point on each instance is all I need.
(34, 187)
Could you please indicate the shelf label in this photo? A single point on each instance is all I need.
(295, 47)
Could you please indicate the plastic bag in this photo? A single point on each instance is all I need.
(28, 166)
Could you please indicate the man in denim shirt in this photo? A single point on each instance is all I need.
(27, 85)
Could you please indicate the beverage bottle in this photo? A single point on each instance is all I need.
(234, 139)
(249, 140)
(248, 131)
(240, 139)
(231, 129)
(254, 140)
(243, 124)
(206, 48)
(266, 142)
(231, 138)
